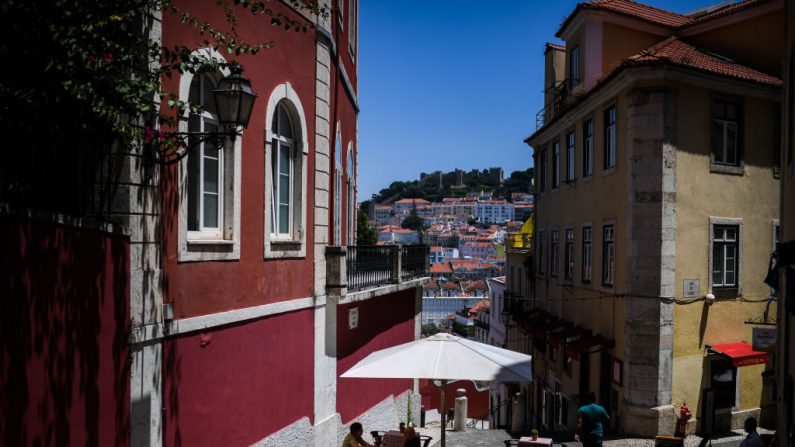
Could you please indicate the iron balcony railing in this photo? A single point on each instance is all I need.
(369, 266)
(562, 92)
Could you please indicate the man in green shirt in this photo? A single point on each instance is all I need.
(354, 438)
(590, 418)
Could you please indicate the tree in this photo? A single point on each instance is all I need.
(413, 221)
(430, 329)
(365, 234)
(87, 76)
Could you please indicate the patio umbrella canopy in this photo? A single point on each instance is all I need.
(444, 357)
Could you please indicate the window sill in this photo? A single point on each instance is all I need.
(210, 242)
(609, 171)
(718, 168)
(727, 294)
(587, 178)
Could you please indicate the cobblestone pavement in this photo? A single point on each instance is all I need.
(478, 438)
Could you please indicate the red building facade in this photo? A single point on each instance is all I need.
(230, 268)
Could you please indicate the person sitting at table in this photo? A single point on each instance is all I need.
(354, 438)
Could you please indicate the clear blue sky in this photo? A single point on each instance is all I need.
(447, 84)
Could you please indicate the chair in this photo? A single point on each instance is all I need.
(426, 440)
(377, 436)
(511, 442)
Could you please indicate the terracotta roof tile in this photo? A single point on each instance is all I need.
(723, 11)
(674, 51)
(631, 9)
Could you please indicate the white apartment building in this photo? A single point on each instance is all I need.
(494, 211)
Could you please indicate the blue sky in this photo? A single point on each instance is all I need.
(447, 84)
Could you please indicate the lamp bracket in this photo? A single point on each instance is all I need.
(171, 147)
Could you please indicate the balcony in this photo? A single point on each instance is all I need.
(519, 241)
(366, 267)
(562, 94)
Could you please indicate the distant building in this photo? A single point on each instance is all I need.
(497, 175)
(494, 212)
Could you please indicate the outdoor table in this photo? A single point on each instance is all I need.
(527, 441)
(393, 438)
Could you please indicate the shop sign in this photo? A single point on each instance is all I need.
(764, 339)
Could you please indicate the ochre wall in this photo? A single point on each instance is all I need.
(620, 43)
(701, 195)
(64, 326)
(236, 384)
(383, 322)
(754, 42)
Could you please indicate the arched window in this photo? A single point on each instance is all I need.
(282, 173)
(338, 188)
(286, 153)
(205, 166)
(351, 196)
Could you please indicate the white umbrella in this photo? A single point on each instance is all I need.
(445, 357)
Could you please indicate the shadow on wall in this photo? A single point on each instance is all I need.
(64, 327)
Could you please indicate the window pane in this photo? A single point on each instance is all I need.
(731, 143)
(284, 219)
(208, 101)
(717, 264)
(210, 210)
(284, 159)
(210, 174)
(284, 189)
(719, 141)
(193, 191)
(285, 127)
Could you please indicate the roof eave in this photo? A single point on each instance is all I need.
(635, 64)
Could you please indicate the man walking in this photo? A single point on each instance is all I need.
(590, 419)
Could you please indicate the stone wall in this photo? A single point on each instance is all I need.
(648, 351)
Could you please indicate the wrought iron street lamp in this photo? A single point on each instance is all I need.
(234, 101)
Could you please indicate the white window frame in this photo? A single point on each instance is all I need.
(587, 140)
(351, 199)
(337, 217)
(574, 66)
(280, 143)
(202, 151)
(542, 248)
(587, 255)
(556, 165)
(608, 255)
(222, 245)
(569, 239)
(610, 136)
(292, 244)
(352, 28)
(554, 247)
(726, 222)
(571, 142)
(724, 164)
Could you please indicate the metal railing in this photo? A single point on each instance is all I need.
(414, 261)
(369, 266)
(562, 91)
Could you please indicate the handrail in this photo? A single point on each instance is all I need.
(369, 266)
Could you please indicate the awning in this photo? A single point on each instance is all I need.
(741, 353)
(574, 348)
(559, 337)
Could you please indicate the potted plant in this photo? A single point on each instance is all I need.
(534, 434)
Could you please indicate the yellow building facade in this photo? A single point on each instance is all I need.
(657, 204)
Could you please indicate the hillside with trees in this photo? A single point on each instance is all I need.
(428, 187)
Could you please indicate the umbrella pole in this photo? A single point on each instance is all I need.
(444, 411)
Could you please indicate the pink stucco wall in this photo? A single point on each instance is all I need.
(64, 326)
(238, 384)
(383, 322)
